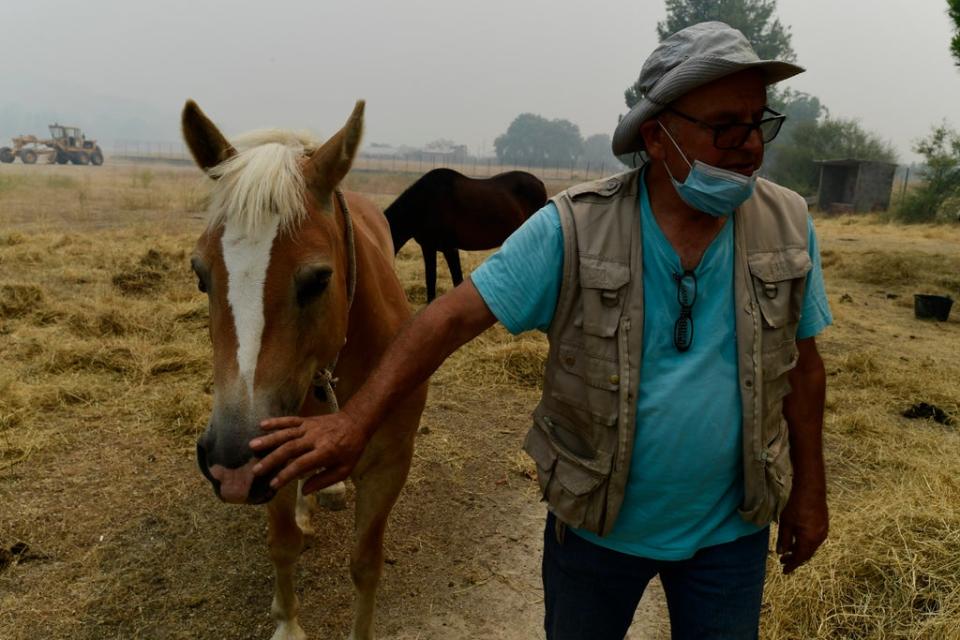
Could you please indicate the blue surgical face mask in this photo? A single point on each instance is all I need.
(710, 189)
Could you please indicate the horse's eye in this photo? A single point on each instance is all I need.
(311, 282)
(199, 270)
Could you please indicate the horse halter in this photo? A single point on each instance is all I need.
(323, 380)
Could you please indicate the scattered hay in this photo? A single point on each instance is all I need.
(416, 293)
(18, 300)
(90, 358)
(138, 281)
(162, 260)
(105, 324)
(183, 412)
(522, 362)
(148, 275)
(888, 571)
(891, 269)
(197, 315)
(65, 393)
(496, 359)
(830, 259)
(174, 360)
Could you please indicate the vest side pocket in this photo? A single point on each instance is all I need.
(777, 473)
(777, 363)
(573, 484)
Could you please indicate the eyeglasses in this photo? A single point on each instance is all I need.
(686, 296)
(735, 134)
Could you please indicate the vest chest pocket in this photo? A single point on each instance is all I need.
(602, 292)
(777, 277)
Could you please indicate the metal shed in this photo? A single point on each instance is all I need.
(854, 185)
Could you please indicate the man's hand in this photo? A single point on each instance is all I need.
(803, 527)
(330, 443)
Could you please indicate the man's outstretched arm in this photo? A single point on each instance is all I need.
(804, 521)
(335, 442)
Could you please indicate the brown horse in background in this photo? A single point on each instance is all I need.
(300, 282)
(446, 211)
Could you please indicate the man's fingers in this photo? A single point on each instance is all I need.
(324, 479)
(275, 439)
(800, 552)
(292, 449)
(281, 423)
(784, 538)
(297, 468)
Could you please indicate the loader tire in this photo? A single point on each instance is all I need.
(96, 157)
(6, 155)
(28, 156)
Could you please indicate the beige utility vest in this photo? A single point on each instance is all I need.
(583, 431)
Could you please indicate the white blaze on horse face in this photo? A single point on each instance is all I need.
(246, 257)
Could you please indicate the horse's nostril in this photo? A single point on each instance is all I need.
(202, 463)
(260, 491)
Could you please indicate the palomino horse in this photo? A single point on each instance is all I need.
(446, 211)
(300, 283)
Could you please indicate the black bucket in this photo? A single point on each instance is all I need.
(936, 307)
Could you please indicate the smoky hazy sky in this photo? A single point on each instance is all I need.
(438, 68)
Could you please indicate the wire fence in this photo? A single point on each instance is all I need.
(176, 153)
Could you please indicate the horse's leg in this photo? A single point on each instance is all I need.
(452, 256)
(430, 269)
(378, 486)
(286, 541)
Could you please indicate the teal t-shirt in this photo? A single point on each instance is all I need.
(686, 477)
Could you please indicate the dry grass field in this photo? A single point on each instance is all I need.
(107, 529)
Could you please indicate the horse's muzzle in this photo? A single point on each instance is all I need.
(237, 484)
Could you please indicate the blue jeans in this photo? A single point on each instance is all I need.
(591, 592)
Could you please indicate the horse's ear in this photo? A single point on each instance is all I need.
(206, 143)
(330, 163)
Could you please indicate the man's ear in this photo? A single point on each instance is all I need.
(653, 139)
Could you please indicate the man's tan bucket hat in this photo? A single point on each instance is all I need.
(690, 58)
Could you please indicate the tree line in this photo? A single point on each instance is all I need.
(536, 141)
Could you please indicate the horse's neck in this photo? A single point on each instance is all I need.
(401, 222)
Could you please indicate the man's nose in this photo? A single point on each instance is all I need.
(754, 142)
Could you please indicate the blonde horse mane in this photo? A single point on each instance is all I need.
(262, 180)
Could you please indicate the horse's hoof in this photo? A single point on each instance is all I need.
(333, 498)
(333, 503)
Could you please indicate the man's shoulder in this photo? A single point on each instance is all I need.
(769, 193)
(603, 187)
(775, 216)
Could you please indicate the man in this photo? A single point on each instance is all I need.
(681, 301)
